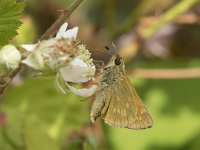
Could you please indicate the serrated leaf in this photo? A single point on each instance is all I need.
(10, 13)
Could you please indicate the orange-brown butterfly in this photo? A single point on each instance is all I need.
(117, 101)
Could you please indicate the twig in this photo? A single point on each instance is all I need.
(48, 33)
(52, 30)
(182, 19)
(7, 78)
(170, 15)
(166, 73)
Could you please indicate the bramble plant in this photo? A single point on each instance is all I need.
(62, 56)
(54, 54)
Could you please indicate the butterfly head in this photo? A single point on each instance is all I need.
(115, 60)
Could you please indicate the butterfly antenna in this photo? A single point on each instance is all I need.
(103, 52)
(77, 43)
(106, 47)
(113, 44)
(115, 49)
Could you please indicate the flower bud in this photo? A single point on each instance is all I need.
(10, 58)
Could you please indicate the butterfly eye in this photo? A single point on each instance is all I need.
(118, 61)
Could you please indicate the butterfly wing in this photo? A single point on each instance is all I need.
(101, 102)
(125, 108)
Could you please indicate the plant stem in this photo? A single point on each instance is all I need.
(169, 16)
(65, 15)
(5, 79)
(179, 73)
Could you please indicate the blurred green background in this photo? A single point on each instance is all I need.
(150, 34)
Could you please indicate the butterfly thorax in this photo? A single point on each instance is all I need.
(111, 73)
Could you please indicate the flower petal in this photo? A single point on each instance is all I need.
(75, 72)
(71, 33)
(85, 92)
(62, 30)
(29, 47)
(34, 60)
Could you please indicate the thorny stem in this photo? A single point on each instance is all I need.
(65, 15)
(5, 80)
(49, 32)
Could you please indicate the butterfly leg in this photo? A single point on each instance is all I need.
(99, 64)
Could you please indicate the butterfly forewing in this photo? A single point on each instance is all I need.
(126, 108)
(143, 118)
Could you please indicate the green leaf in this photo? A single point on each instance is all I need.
(37, 100)
(10, 13)
(36, 139)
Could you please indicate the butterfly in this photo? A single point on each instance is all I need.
(117, 101)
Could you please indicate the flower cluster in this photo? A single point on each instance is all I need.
(64, 57)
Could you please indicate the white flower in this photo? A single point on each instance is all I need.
(35, 60)
(85, 92)
(10, 58)
(29, 47)
(65, 56)
(75, 72)
(64, 33)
